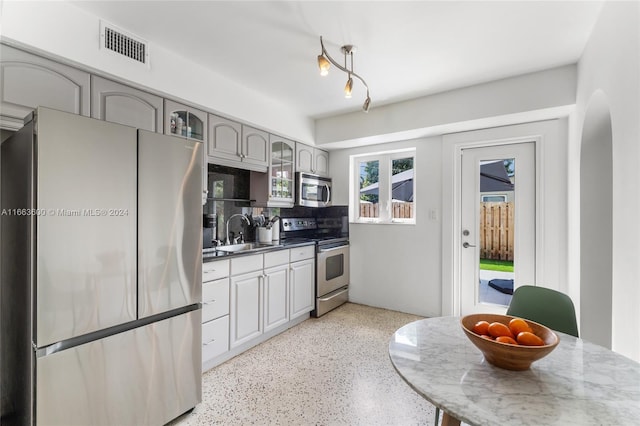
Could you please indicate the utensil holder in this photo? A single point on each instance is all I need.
(264, 235)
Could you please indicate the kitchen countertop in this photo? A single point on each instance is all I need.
(210, 254)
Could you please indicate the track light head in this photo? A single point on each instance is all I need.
(367, 102)
(348, 87)
(324, 65)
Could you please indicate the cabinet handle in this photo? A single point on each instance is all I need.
(210, 271)
(210, 342)
(211, 302)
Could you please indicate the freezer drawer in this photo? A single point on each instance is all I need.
(157, 377)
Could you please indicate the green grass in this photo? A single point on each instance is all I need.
(496, 265)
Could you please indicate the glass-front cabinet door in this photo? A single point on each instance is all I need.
(281, 171)
(182, 120)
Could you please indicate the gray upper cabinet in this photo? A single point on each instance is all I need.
(255, 146)
(118, 103)
(225, 138)
(321, 161)
(232, 144)
(277, 187)
(28, 81)
(312, 160)
(185, 121)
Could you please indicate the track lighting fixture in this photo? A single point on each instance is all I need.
(325, 61)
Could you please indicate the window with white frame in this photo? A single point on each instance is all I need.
(383, 187)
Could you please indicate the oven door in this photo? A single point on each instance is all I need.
(313, 191)
(333, 267)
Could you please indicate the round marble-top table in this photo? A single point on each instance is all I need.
(579, 383)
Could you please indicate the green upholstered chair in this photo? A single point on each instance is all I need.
(545, 306)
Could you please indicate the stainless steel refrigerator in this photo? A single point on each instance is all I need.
(101, 273)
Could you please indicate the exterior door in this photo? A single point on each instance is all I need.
(497, 220)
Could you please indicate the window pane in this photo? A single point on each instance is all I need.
(496, 231)
(369, 189)
(402, 188)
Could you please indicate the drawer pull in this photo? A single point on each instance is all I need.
(209, 342)
(211, 302)
(210, 271)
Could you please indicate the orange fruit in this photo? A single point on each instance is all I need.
(506, 339)
(497, 329)
(486, 336)
(481, 327)
(529, 339)
(518, 325)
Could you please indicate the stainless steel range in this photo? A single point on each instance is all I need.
(331, 235)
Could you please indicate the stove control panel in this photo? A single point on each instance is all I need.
(293, 224)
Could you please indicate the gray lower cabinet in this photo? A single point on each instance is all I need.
(28, 81)
(118, 103)
(215, 309)
(301, 288)
(248, 299)
(276, 288)
(246, 309)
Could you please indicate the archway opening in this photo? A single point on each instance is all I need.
(596, 223)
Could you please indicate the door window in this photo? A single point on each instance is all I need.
(497, 246)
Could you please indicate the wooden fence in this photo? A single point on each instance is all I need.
(496, 226)
(496, 231)
(400, 210)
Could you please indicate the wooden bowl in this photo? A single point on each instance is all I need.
(504, 355)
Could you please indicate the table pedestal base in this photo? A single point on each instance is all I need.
(448, 420)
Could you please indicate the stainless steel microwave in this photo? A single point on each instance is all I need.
(313, 190)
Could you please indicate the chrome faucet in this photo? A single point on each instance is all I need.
(229, 220)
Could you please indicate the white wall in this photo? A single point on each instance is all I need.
(611, 64)
(529, 97)
(397, 266)
(64, 32)
(596, 210)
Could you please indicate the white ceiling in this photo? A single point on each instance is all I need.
(406, 49)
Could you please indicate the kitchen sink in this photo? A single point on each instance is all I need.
(235, 248)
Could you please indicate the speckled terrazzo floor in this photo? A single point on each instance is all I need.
(334, 370)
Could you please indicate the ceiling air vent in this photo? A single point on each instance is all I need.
(123, 43)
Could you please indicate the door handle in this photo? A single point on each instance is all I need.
(467, 245)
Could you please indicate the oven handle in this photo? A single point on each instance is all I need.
(334, 248)
(328, 193)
